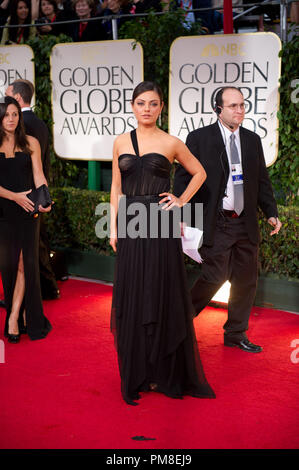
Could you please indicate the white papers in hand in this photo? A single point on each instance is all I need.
(190, 243)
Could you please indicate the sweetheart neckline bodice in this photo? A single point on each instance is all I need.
(145, 155)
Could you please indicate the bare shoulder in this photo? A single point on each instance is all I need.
(33, 142)
(175, 140)
(168, 145)
(175, 143)
(121, 139)
(167, 138)
(122, 144)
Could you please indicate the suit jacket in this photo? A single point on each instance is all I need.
(208, 147)
(38, 129)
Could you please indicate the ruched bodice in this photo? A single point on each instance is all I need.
(140, 176)
(144, 175)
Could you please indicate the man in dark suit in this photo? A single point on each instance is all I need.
(22, 91)
(237, 184)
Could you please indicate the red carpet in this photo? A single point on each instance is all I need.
(63, 392)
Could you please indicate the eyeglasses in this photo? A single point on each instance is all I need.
(234, 107)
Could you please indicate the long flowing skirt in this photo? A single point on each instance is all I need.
(152, 318)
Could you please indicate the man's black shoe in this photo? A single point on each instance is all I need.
(243, 344)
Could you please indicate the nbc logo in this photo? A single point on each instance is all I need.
(230, 49)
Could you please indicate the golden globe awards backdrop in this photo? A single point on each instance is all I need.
(15, 62)
(92, 85)
(200, 65)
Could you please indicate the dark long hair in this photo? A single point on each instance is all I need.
(54, 5)
(147, 86)
(13, 32)
(20, 136)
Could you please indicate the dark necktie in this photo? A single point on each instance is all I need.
(238, 188)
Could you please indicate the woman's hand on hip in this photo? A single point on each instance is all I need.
(170, 201)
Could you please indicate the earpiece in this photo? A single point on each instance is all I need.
(218, 102)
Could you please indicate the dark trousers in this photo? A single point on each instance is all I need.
(234, 258)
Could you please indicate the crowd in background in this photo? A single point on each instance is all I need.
(48, 13)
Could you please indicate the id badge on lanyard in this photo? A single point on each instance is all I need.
(237, 173)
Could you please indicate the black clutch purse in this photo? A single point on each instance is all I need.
(40, 196)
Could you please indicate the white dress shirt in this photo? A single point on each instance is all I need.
(228, 200)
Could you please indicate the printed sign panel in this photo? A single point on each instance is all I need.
(15, 62)
(201, 65)
(92, 85)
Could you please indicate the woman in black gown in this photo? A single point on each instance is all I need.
(151, 309)
(20, 172)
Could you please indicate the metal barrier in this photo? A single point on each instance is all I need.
(249, 7)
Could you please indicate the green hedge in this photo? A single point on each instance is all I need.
(284, 173)
(72, 221)
(279, 253)
(72, 225)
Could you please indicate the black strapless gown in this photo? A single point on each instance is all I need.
(151, 316)
(19, 232)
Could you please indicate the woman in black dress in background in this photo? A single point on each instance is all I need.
(20, 172)
(151, 308)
